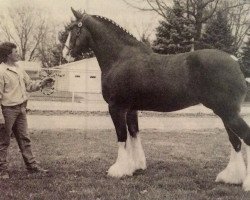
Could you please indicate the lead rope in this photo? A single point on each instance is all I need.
(50, 90)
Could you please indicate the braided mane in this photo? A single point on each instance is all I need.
(114, 24)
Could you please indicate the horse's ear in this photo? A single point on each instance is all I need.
(77, 14)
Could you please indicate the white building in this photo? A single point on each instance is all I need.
(82, 76)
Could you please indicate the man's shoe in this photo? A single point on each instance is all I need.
(4, 175)
(35, 168)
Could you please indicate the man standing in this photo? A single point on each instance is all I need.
(14, 85)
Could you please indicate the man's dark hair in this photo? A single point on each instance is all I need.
(5, 50)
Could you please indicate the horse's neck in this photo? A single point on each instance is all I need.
(108, 45)
(106, 53)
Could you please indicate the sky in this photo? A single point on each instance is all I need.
(135, 21)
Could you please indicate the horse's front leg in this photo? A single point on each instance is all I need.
(137, 152)
(124, 164)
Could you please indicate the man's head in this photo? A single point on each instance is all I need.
(8, 52)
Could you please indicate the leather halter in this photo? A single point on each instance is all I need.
(79, 25)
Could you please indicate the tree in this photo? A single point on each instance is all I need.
(245, 59)
(239, 19)
(21, 26)
(198, 11)
(30, 29)
(175, 32)
(49, 51)
(144, 33)
(145, 39)
(218, 34)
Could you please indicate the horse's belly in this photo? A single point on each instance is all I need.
(164, 104)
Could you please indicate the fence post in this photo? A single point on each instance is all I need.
(73, 101)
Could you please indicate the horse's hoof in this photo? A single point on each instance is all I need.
(231, 177)
(246, 183)
(119, 171)
(141, 165)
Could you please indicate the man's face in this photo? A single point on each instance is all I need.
(14, 56)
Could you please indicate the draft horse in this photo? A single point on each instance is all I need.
(135, 78)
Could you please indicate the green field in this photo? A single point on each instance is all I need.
(181, 165)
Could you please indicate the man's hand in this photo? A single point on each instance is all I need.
(48, 81)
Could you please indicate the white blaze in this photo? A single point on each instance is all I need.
(65, 49)
(66, 53)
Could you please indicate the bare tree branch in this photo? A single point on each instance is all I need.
(158, 6)
(205, 18)
(238, 15)
(28, 29)
(200, 11)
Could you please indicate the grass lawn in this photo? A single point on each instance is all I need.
(180, 165)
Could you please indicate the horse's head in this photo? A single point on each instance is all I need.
(78, 38)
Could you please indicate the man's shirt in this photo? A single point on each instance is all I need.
(14, 85)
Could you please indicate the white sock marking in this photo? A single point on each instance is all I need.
(246, 183)
(124, 164)
(130, 158)
(138, 153)
(235, 172)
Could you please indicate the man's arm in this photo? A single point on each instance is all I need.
(32, 86)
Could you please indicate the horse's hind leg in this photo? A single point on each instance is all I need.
(236, 125)
(124, 164)
(137, 152)
(235, 172)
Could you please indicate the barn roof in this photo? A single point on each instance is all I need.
(89, 64)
